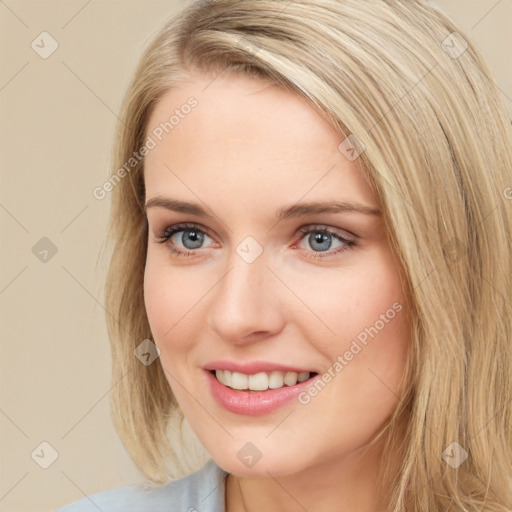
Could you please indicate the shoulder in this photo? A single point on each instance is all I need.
(202, 491)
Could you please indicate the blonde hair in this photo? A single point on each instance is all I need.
(416, 94)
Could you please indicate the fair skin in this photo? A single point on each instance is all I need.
(246, 150)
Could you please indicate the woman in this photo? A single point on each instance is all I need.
(311, 220)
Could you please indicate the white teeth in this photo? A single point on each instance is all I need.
(239, 380)
(221, 376)
(276, 380)
(260, 381)
(226, 377)
(290, 379)
(301, 377)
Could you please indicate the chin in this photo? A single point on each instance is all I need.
(265, 467)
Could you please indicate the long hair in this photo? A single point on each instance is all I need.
(407, 85)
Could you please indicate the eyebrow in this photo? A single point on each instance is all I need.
(295, 210)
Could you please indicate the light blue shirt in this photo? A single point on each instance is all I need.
(201, 491)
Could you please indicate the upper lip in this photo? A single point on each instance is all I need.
(252, 367)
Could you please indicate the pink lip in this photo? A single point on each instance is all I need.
(250, 368)
(254, 403)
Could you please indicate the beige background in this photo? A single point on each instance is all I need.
(57, 120)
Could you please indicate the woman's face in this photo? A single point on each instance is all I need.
(315, 289)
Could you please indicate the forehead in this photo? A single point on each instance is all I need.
(236, 109)
(242, 135)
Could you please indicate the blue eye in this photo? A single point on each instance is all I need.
(192, 236)
(319, 239)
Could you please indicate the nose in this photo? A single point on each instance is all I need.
(246, 302)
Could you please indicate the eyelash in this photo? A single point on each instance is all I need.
(165, 236)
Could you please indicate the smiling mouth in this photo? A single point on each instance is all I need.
(261, 382)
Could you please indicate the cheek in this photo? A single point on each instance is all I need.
(364, 308)
(352, 304)
(375, 339)
(172, 299)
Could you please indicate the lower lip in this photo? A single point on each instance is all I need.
(254, 404)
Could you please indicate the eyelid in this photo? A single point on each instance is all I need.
(182, 226)
(343, 233)
(348, 242)
(303, 228)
